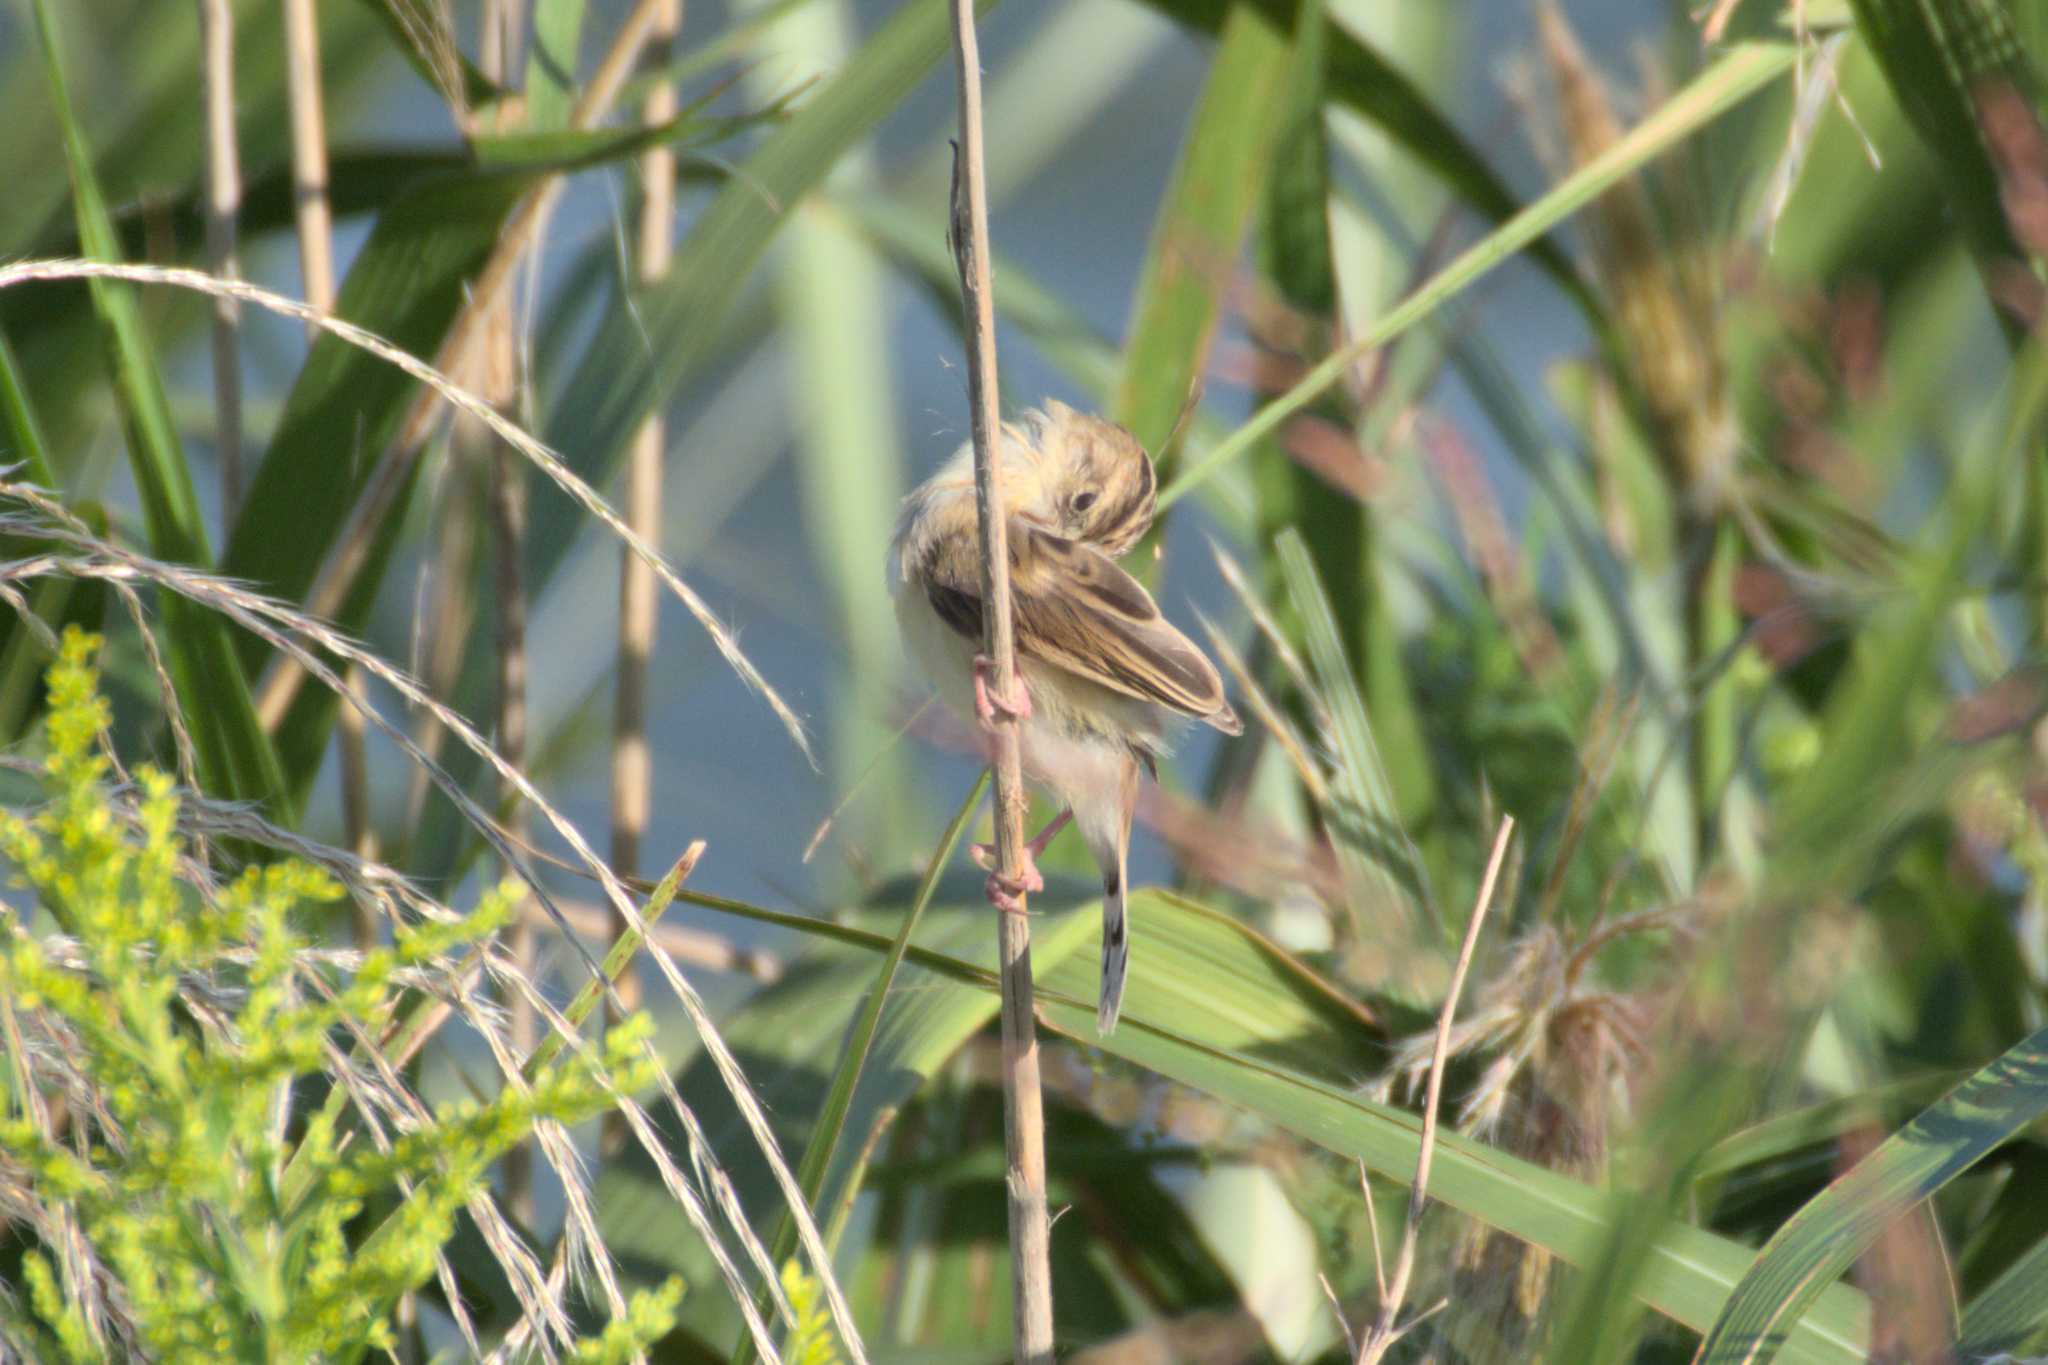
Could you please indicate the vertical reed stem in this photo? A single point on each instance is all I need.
(223, 203)
(316, 264)
(309, 155)
(638, 614)
(1023, 1105)
(499, 52)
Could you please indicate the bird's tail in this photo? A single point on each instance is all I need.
(1116, 940)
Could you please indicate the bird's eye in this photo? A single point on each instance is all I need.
(1084, 501)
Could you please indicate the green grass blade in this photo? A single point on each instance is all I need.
(831, 1124)
(1360, 79)
(22, 655)
(2012, 1314)
(1202, 1010)
(1824, 1239)
(403, 19)
(1727, 83)
(1217, 183)
(1381, 800)
(235, 756)
(1939, 61)
(24, 433)
(1822, 1125)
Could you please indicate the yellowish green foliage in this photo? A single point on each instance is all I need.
(811, 1342)
(173, 1177)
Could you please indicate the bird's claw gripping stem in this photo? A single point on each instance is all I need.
(988, 705)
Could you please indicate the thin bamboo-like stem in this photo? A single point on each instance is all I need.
(223, 204)
(503, 22)
(1386, 1329)
(631, 766)
(309, 155)
(1023, 1105)
(351, 548)
(316, 263)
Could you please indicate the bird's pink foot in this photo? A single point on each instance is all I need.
(984, 855)
(988, 705)
(1006, 894)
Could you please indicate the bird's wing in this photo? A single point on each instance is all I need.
(1075, 610)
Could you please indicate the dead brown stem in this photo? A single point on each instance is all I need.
(503, 24)
(631, 764)
(1023, 1105)
(1386, 1330)
(223, 203)
(316, 264)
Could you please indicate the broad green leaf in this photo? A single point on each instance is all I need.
(234, 755)
(1193, 257)
(1187, 1019)
(1940, 61)
(406, 285)
(1226, 985)
(1729, 81)
(1821, 1125)
(1296, 254)
(1824, 1239)
(2012, 1315)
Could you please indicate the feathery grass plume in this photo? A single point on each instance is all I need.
(1658, 271)
(157, 1030)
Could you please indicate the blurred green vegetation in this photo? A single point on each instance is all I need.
(1654, 455)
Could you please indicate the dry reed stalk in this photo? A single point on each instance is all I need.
(631, 767)
(1023, 1104)
(223, 204)
(315, 224)
(309, 156)
(1386, 1329)
(503, 25)
(696, 947)
(351, 548)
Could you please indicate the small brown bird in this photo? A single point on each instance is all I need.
(1105, 677)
